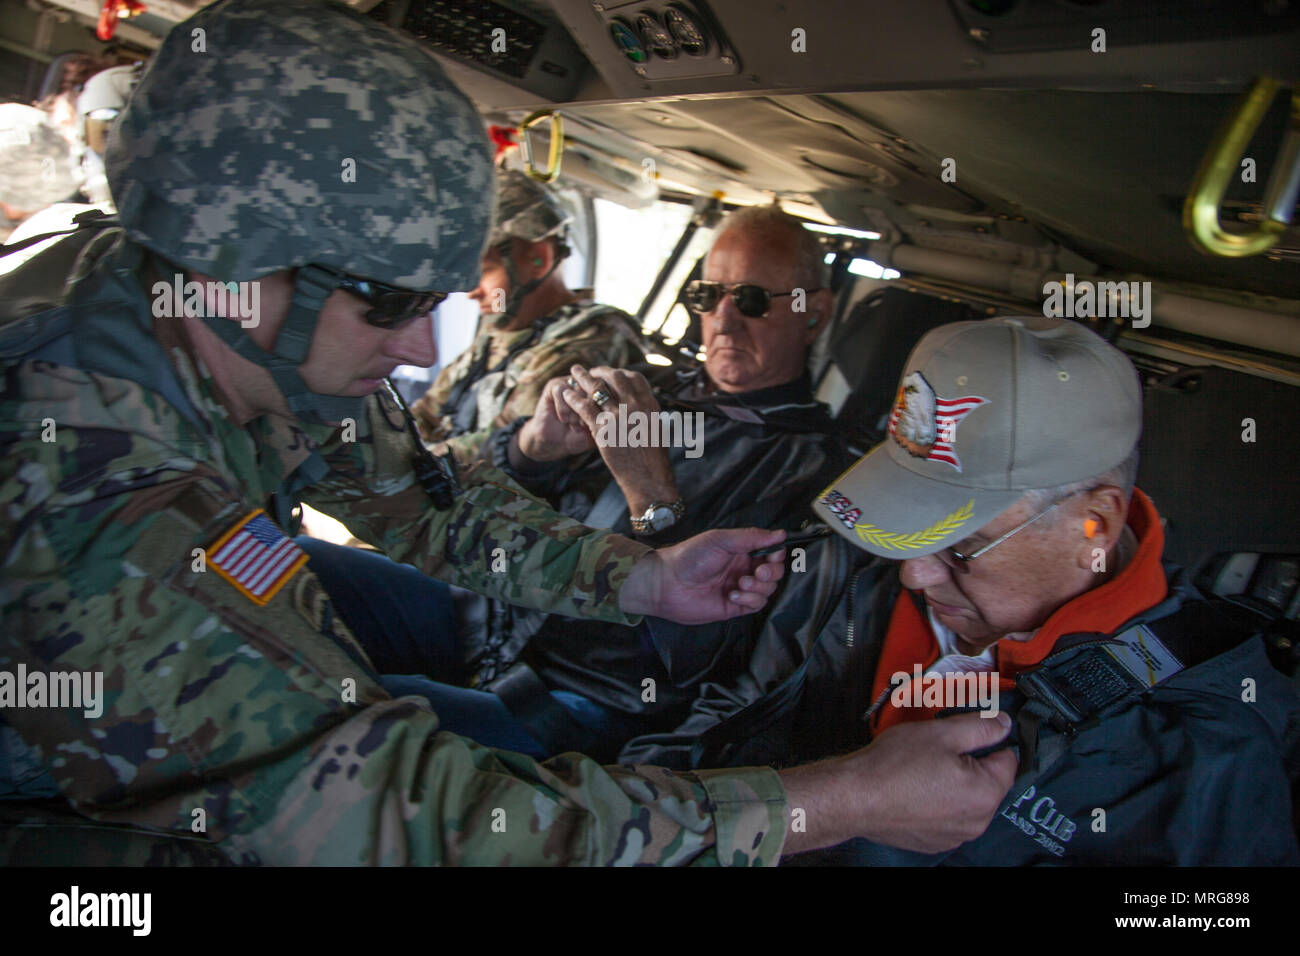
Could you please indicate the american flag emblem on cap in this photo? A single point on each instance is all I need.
(925, 424)
(256, 557)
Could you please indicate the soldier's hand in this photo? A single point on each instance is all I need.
(555, 431)
(709, 577)
(915, 787)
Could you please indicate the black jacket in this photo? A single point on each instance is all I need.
(1186, 772)
(766, 454)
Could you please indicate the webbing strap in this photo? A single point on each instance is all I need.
(1076, 688)
(312, 286)
(98, 322)
(90, 217)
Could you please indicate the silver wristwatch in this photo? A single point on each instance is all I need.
(659, 517)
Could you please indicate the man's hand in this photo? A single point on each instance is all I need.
(555, 431)
(709, 577)
(644, 474)
(914, 787)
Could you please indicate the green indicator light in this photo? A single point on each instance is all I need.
(627, 42)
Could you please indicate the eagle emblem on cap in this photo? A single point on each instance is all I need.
(926, 425)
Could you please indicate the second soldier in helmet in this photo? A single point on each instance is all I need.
(535, 329)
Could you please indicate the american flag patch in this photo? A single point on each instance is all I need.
(948, 413)
(256, 557)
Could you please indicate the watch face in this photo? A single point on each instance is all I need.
(662, 517)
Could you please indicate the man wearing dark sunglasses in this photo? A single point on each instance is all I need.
(995, 535)
(760, 312)
(764, 447)
(533, 328)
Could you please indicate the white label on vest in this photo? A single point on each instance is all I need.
(1144, 656)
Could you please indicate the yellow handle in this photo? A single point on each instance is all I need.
(552, 169)
(1220, 165)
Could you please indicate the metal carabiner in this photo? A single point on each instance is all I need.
(557, 145)
(1220, 165)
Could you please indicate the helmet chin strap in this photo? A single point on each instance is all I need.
(520, 291)
(310, 290)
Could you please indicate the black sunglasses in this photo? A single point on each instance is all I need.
(751, 300)
(390, 306)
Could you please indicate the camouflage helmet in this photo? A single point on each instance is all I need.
(265, 136)
(36, 166)
(526, 209)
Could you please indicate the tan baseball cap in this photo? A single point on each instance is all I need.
(986, 411)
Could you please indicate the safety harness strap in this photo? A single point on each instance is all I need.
(90, 318)
(1079, 686)
(90, 217)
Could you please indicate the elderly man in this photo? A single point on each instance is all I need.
(1025, 577)
(764, 448)
(536, 326)
(762, 304)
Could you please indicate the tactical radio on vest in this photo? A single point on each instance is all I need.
(436, 473)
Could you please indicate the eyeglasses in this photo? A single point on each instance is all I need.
(961, 562)
(390, 306)
(751, 300)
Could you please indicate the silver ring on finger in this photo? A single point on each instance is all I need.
(571, 382)
(600, 397)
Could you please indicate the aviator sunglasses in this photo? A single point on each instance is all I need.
(751, 300)
(390, 306)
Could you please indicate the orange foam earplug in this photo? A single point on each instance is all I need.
(1090, 528)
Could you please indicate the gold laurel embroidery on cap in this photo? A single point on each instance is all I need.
(917, 539)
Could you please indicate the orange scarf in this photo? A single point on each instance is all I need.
(909, 640)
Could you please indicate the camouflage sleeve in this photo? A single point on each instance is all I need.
(422, 797)
(495, 539)
(241, 722)
(260, 727)
(599, 343)
(468, 448)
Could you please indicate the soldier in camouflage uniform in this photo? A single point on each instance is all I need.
(140, 452)
(542, 330)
